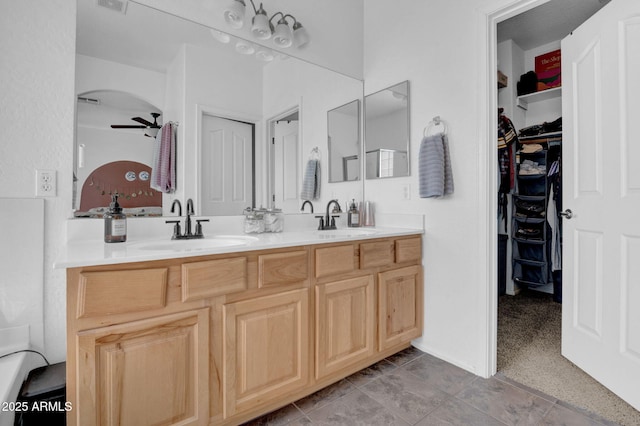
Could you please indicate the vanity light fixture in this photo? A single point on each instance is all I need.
(285, 34)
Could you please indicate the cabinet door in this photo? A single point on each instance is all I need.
(345, 323)
(399, 306)
(152, 371)
(266, 351)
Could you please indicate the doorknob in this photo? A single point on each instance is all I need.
(567, 214)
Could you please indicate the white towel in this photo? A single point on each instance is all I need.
(311, 181)
(434, 167)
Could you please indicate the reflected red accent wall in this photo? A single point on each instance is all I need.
(112, 177)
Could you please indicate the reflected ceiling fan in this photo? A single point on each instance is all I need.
(151, 129)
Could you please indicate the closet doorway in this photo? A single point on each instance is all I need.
(529, 319)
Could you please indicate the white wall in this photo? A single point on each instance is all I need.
(37, 46)
(440, 47)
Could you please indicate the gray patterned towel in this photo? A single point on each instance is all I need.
(311, 181)
(434, 167)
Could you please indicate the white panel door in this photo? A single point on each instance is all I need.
(601, 185)
(286, 192)
(226, 164)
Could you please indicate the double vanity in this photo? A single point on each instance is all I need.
(223, 329)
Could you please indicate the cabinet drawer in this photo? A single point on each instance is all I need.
(283, 268)
(117, 292)
(408, 249)
(212, 278)
(335, 260)
(379, 253)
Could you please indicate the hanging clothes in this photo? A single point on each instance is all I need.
(507, 135)
(553, 217)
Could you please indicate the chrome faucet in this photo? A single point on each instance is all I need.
(329, 222)
(305, 203)
(177, 234)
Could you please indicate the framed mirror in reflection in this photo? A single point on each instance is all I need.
(386, 131)
(208, 82)
(343, 125)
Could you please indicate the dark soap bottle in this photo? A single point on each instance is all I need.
(115, 223)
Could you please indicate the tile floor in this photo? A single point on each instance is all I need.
(414, 388)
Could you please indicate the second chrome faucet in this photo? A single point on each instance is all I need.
(188, 234)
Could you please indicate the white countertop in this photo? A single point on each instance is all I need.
(96, 252)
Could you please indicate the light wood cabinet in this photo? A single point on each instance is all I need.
(221, 339)
(152, 371)
(266, 349)
(345, 324)
(399, 306)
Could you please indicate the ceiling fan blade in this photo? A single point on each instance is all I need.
(142, 121)
(127, 126)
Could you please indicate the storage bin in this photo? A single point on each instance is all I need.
(532, 185)
(531, 273)
(531, 206)
(531, 250)
(529, 229)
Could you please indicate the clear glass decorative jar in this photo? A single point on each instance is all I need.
(253, 221)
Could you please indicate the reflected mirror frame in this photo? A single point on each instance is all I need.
(408, 140)
(345, 160)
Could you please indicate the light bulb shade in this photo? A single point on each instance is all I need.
(220, 36)
(261, 29)
(245, 48)
(265, 55)
(234, 14)
(282, 36)
(300, 36)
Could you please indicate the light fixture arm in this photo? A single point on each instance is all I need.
(255, 11)
(283, 19)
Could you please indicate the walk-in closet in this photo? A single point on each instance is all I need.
(530, 154)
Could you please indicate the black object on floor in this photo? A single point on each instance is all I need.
(43, 397)
(502, 263)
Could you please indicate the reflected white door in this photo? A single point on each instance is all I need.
(285, 160)
(226, 164)
(601, 185)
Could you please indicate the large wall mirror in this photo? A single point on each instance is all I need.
(343, 125)
(218, 90)
(386, 130)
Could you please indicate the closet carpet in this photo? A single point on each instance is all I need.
(529, 326)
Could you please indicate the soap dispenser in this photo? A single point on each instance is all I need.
(115, 223)
(353, 219)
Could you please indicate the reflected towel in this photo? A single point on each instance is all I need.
(434, 167)
(163, 170)
(311, 181)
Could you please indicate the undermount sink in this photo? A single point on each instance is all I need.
(198, 244)
(346, 232)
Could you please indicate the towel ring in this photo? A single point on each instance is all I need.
(315, 154)
(434, 123)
